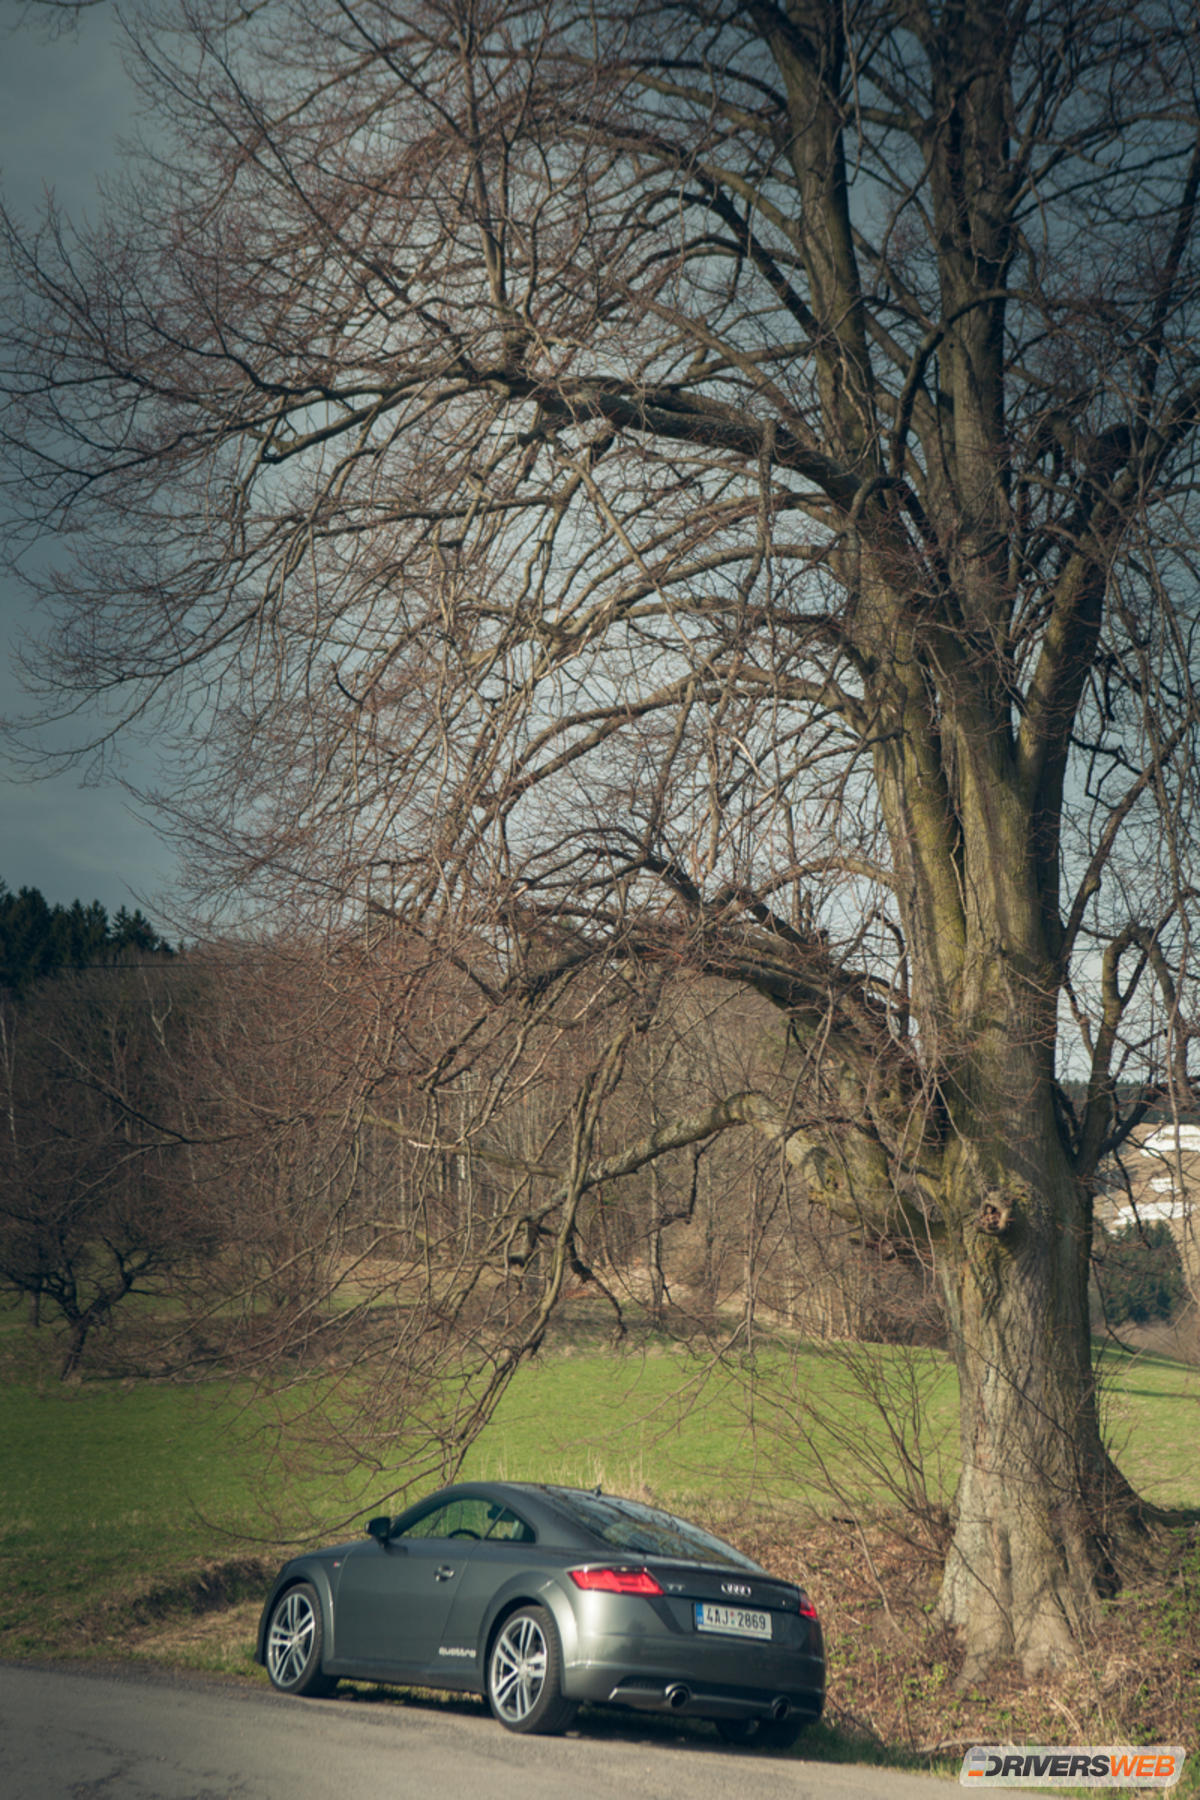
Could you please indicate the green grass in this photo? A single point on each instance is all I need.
(1151, 1411)
(104, 1488)
(661, 1421)
(109, 1488)
(680, 1426)
(683, 1428)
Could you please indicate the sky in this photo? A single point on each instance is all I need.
(63, 103)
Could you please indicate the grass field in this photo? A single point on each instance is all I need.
(112, 1489)
(1151, 1412)
(683, 1427)
(716, 1434)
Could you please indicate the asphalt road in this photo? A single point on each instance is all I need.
(84, 1735)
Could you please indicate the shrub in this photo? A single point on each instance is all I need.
(1140, 1274)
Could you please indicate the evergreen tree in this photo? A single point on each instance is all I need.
(1141, 1275)
(37, 939)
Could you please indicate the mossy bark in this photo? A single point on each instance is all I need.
(1040, 1508)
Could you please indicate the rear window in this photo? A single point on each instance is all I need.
(644, 1531)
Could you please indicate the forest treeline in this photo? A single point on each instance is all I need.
(314, 1151)
(38, 939)
(318, 1154)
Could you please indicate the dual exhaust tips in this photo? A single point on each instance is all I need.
(678, 1696)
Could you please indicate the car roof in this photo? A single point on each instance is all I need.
(513, 1491)
(538, 1490)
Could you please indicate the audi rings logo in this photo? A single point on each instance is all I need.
(736, 1587)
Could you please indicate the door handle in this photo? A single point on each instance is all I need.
(445, 1573)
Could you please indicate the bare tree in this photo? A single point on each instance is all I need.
(691, 486)
(95, 1204)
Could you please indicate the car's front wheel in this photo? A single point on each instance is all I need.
(295, 1637)
(525, 1674)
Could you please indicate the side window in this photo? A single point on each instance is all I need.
(504, 1527)
(444, 1521)
(471, 1518)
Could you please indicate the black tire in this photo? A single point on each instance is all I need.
(295, 1640)
(524, 1674)
(761, 1734)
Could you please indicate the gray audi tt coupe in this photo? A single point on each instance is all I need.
(543, 1597)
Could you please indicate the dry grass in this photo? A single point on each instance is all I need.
(221, 1641)
(895, 1675)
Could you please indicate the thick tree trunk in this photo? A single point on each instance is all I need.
(1040, 1505)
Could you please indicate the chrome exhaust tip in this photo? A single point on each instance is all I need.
(678, 1695)
(779, 1709)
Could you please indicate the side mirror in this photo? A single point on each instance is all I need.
(380, 1529)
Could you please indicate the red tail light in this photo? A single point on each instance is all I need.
(616, 1581)
(807, 1609)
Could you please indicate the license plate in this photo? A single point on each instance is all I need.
(734, 1621)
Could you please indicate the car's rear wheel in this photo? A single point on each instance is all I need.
(525, 1674)
(295, 1639)
(761, 1734)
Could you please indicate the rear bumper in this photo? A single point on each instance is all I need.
(688, 1679)
(704, 1700)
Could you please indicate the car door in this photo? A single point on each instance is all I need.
(393, 1598)
(507, 1545)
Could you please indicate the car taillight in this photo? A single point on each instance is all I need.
(807, 1609)
(616, 1581)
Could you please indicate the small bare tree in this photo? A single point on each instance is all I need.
(95, 1203)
